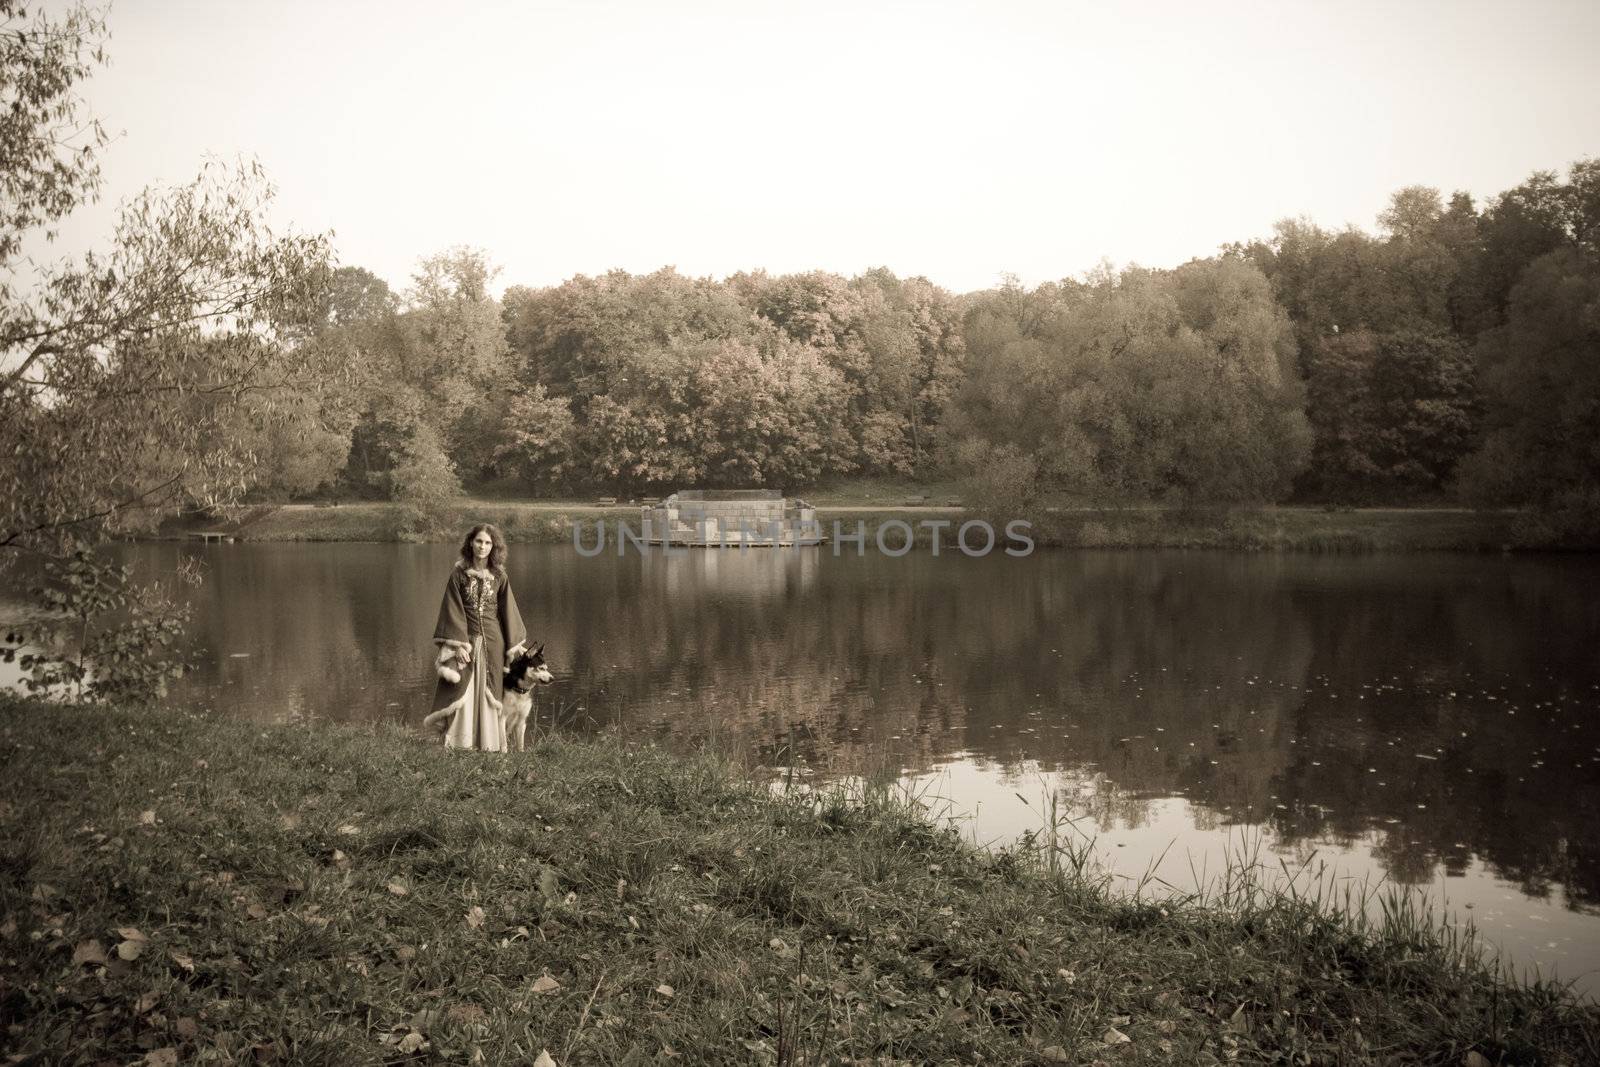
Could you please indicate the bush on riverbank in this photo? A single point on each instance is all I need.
(231, 892)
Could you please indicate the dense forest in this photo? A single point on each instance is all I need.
(1453, 355)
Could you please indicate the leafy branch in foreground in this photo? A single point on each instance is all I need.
(126, 368)
(103, 640)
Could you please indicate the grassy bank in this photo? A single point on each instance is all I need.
(1249, 529)
(524, 523)
(178, 888)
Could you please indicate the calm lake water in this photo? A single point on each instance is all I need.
(1429, 720)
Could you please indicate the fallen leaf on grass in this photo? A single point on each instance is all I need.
(466, 1013)
(161, 1057)
(475, 917)
(8, 929)
(146, 1002)
(131, 950)
(88, 952)
(405, 952)
(289, 820)
(1239, 1022)
(1113, 1036)
(348, 830)
(779, 945)
(1054, 1054)
(664, 990)
(1121, 1020)
(426, 1019)
(398, 888)
(412, 1042)
(131, 933)
(256, 911)
(545, 984)
(183, 961)
(544, 1060)
(187, 1028)
(1474, 1058)
(147, 818)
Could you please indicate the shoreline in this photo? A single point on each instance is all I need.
(342, 893)
(1285, 528)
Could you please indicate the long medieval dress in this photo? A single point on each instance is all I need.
(479, 613)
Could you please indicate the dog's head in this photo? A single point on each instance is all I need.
(527, 669)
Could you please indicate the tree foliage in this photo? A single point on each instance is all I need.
(48, 164)
(1392, 413)
(1387, 325)
(434, 375)
(127, 365)
(1174, 385)
(1541, 386)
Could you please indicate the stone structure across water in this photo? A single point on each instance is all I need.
(731, 518)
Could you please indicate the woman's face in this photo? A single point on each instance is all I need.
(482, 544)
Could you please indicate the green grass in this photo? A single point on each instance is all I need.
(882, 492)
(328, 894)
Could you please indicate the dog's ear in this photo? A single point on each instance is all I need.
(540, 650)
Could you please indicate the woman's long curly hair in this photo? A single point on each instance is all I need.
(497, 554)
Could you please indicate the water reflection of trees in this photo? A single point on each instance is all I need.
(1278, 689)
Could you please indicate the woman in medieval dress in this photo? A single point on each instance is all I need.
(479, 630)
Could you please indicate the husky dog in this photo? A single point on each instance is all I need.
(526, 670)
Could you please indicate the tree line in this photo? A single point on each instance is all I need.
(1453, 355)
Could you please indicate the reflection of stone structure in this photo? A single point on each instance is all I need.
(713, 518)
(769, 576)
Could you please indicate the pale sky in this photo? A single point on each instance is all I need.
(954, 140)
